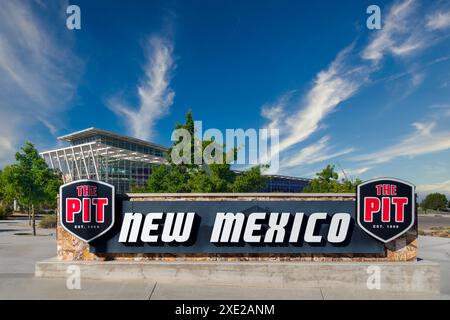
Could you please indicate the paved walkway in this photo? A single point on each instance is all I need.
(34, 288)
(437, 250)
(19, 250)
(18, 254)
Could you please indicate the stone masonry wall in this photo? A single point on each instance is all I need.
(402, 249)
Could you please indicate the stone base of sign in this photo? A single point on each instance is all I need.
(70, 248)
(419, 277)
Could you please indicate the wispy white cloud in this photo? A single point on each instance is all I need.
(417, 70)
(417, 79)
(440, 106)
(352, 173)
(31, 59)
(316, 152)
(403, 88)
(441, 187)
(38, 72)
(438, 20)
(274, 113)
(399, 36)
(424, 139)
(331, 86)
(154, 92)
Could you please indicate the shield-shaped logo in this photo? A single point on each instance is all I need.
(385, 208)
(87, 208)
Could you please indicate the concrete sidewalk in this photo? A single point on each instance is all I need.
(19, 250)
(437, 250)
(35, 288)
(19, 253)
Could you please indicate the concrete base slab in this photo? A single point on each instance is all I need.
(420, 277)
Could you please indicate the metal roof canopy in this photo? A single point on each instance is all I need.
(90, 152)
(89, 132)
(103, 150)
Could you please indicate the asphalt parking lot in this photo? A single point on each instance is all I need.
(438, 220)
(19, 251)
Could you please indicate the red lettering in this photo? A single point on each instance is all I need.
(100, 203)
(87, 191)
(393, 190)
(400, 204)
(378, 186)
(386, 209)
(371, 206)
(86, 210)
(73, 205)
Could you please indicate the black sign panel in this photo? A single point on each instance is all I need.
(87, 208)
(386, 208)
(259, 227)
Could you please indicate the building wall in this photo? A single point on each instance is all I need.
(401, 249)
(285, 184)
(124, 174)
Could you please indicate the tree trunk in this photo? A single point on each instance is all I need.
(29, 215)
(34, 220)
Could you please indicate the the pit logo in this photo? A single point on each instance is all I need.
(385, 208)
(87, 208)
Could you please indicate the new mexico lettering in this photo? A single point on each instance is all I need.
(233, 228)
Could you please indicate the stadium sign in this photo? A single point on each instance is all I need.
(386, 208)
(87, 208)
(382, 213)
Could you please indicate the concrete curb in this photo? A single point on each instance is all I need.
(422, 276)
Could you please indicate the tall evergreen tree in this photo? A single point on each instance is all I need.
(202, 178)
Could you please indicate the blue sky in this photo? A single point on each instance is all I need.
(373, 102)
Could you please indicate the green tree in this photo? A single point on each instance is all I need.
(434, 201)
(31, 181)
(202, 178)
(250, 181)
(5, 203)
(190, 127)
(170, 178)
(7, 190)
(200, 182)
(327, 180)
(2, 187)
(6, 194)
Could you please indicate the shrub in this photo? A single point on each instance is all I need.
(5, 211)
(434, 201)
(48, 221)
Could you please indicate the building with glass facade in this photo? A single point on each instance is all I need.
(125, 162)
(103, 155)
(278, 183)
